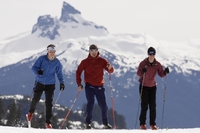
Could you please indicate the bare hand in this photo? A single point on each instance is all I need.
(109, 66)
(80, 87)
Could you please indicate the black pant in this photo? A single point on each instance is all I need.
(49, 93)
(148, 99)
(90, 92)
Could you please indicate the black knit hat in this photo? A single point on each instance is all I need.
(93, 46)
(151, 51)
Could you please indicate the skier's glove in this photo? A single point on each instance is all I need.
(80, 87)
(144, 70)
(40, 72)
(166, 70)
(62, 87)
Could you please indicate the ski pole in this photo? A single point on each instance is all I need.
(69, 110)
(164, 97)
(112, 100)
(24, 111)
(139, 100)
(56, 100)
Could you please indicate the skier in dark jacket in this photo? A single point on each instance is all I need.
(45, 68)
(147, 71)
(93, 67)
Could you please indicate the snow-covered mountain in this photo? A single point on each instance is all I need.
(47, 30)
(67, 26)
(72, 35)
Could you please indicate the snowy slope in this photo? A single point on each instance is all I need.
(25, 130)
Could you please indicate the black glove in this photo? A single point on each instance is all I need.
(144, 70)
(166, 70)
(62, 87)
(40, 72)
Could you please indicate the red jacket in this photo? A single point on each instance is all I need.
(150, 75)
(93, 70)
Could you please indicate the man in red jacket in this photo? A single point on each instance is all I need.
(93, 67)
(147, 71)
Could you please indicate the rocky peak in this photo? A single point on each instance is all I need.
(47, 25)
(67, 9)
(70, 20)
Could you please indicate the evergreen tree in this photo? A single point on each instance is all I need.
(119, 119)
(96, 116)
(54, 121)
(1, 111)
(39, 121)
(13, 114)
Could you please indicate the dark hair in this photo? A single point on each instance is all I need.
(51, 45)
(93, 46)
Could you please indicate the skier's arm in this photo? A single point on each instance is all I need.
(37, 66)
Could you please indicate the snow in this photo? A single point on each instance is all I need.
(5, 129)
(74, 42)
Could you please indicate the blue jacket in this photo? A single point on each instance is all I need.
(50, 69)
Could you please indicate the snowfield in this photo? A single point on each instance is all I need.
(5, 129)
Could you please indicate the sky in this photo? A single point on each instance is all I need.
(167, 20)
(25, 130)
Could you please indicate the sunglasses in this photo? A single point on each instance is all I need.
(93, 50)
(151, 54)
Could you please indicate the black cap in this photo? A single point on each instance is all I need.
(93, 46)
(151, 51)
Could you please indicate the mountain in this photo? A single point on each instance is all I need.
(72, 35)
(49, 30)
(70, 21)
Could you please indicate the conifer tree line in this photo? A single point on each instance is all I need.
(11, 112)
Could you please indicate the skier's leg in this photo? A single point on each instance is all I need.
(100, 95)
(36, 96)
(49, 93)
(152, 105)
(89, 92)
(144, 105)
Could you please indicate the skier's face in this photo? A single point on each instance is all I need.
(93, 52)
(151, 57)
(51, 54)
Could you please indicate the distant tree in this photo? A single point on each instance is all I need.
(119, 119)
(13, 114)
(1, 111)
(66, 123)
(39, 120)
(96, 116)
(54, 121)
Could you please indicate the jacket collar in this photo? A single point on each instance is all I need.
(90, 57)
(49, 59)
(148, 63)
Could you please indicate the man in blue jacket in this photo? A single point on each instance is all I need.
(45, 68)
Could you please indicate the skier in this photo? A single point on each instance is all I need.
(147, 70)
(93, 67)
(45, 68)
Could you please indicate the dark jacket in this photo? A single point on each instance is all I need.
(150, 75)
(93, 70)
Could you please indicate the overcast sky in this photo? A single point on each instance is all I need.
(169, 20)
